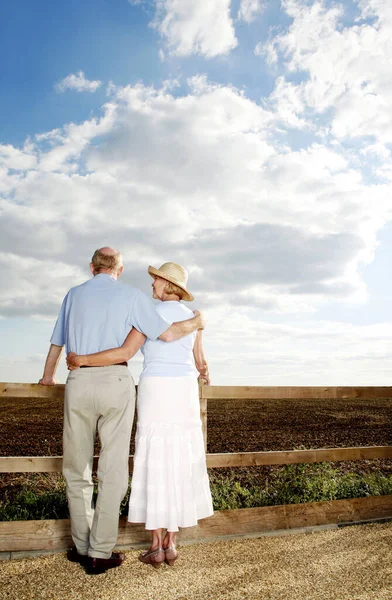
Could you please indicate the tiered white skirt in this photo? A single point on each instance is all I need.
(170, 487)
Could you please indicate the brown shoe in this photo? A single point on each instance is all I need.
(153, 557)
(171, 555)
(94, 566)
(74, 556)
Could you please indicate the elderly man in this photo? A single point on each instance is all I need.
(95, 316)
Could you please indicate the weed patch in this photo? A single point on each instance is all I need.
(296, 484)
(44, 497)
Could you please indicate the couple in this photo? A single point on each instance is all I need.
(102, 324)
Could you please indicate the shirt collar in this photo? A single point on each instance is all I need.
(104, 276)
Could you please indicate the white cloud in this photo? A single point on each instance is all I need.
(25, 288)
(249, 9)
(77, 82)
(201, 27)
(307, 353)
(13, 158)
(288, 104)
(377, 150)
(348, 66)
(199, 177)
(325, 353)
(259, 50)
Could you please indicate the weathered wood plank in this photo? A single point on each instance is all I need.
(53, 464)
(38, 464)
(203, 417)
(34, 390)
(288, 516)
(31, 390)
(287, 457)
(203, 412)
(31, 464)
(269, 518)
(35, 535)
(50, 535)
(288, 392)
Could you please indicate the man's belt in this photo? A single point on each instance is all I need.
(123, 364)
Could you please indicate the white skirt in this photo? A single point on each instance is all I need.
(170, 486)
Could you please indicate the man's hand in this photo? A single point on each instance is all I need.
(72, 361)
(202, 322)
(52, 360)
(48, 381)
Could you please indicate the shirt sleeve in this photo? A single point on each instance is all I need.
(146, 318)
(58, 335)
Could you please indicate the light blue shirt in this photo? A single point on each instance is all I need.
(98, 315)
(176, 358)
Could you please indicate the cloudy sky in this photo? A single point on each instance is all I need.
(249, 140)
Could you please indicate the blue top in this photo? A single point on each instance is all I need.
(174, 359)
(98, 315)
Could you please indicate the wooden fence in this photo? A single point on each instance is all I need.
(19, 536)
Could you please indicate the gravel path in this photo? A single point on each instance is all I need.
(352, 563)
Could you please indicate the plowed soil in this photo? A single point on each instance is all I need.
(33, 427)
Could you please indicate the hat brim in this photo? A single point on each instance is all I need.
(157, 273)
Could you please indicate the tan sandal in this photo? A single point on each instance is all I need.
(171, 555)
(153, 557)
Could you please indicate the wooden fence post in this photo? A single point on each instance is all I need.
(203, 412)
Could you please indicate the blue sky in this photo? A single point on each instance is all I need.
(248, 139)
(111, 40)
(42, 42)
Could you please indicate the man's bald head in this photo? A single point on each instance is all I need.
(108, 251)
(106, 260)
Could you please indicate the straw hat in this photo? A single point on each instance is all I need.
(175, 274)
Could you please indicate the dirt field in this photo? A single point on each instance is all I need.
(33, 427)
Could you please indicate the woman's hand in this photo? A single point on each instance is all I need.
(202, 322)
(204, 379)
(48, 381)
(200, 360)
(73, 361)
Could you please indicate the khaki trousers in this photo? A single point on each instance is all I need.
(103, 398)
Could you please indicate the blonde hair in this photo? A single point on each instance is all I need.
(106, 262)
(172, 288)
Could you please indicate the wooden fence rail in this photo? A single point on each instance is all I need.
(18, 536)
(224, 392)
(221, 392)
(42, 535)
(53, 464)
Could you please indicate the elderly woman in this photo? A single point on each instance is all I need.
(170, 487)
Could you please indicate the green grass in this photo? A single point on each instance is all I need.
(35, 496)
(43, 496)
(296, 484)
